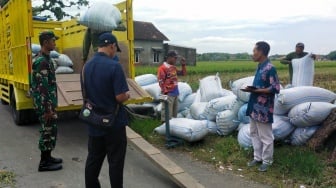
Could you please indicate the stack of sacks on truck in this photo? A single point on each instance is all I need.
(62, 63)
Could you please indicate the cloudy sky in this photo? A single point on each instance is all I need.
(236, 25)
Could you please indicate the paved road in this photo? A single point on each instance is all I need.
(19, 153)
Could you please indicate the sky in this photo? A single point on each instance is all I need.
(235, 26)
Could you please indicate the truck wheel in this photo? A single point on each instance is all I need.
(4, 102)
(18, 115)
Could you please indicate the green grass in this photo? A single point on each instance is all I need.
(7, 179)
(293, 166)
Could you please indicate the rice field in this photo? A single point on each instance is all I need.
(325, 72)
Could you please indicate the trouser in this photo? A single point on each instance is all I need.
(173, 107)
(47, 116)
(114, 146)
(262, 141)
(48, 133)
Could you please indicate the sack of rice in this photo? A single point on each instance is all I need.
(36, 48)
(64, 70)
(244, 138)
(146, 79)
(310, 113)
(212, 127)
(227, 122)
(288, 98)
(197, 110)
(301, 135)
(64, 60)
(184, 90)
(198, 96)
(281, 127)
(54, 54)
(101, 16)
(153, 90)
(187, 129)
(241, 84)
(187, 102)
(217, 105)
(303, 71)
(210, 88)
(242, 117)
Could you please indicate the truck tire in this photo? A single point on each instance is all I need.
(4, 102)
(18, 115)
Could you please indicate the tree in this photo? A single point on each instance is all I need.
(57, 6)
(332, 55)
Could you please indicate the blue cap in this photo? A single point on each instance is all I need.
(108, 38)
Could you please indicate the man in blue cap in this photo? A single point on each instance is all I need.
(106, 86)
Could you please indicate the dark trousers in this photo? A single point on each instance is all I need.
(114, 146)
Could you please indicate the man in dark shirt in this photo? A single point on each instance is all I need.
(106, 87)
(261, 106)
(299, 53)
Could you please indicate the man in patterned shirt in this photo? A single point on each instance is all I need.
(167, 76)
(44, 93)
(261, 106)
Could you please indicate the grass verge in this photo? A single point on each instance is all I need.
(7, 179)
(293, 166)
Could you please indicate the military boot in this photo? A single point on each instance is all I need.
(52, 159)
(46, 164)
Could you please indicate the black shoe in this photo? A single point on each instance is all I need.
(54, 160)
(48, 166)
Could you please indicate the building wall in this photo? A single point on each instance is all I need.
(188, 53)
(146, 52)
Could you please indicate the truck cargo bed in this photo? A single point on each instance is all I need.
(70, 94)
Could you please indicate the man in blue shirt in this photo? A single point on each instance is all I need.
(106, 87)
(261, 106)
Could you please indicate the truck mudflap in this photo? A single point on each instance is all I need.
(70, 94)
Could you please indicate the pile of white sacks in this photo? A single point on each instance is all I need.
(62, 63)
(298, 113)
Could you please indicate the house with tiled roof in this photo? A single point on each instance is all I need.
(150, 45)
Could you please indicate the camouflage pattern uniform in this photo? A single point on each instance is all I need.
(44, 92)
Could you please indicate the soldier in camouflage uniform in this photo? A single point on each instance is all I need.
(44, 92)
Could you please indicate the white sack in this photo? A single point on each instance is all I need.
(187, 129)
(64, 60)
(184, 90)
(288, 98)
(36, 48)
(281, 127)
(198, 96)
(186, 103)
(303, 71)
(54, 54)
(242, 117)
(101, 16)
(227, 122)
(64, 70)
(153, 90)
(218, 105)
(212, 127)
(301, 135)
(241, 84)
(210, 88)
(146, 79)
(197, 110)
(310, 113)
(244, 138)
